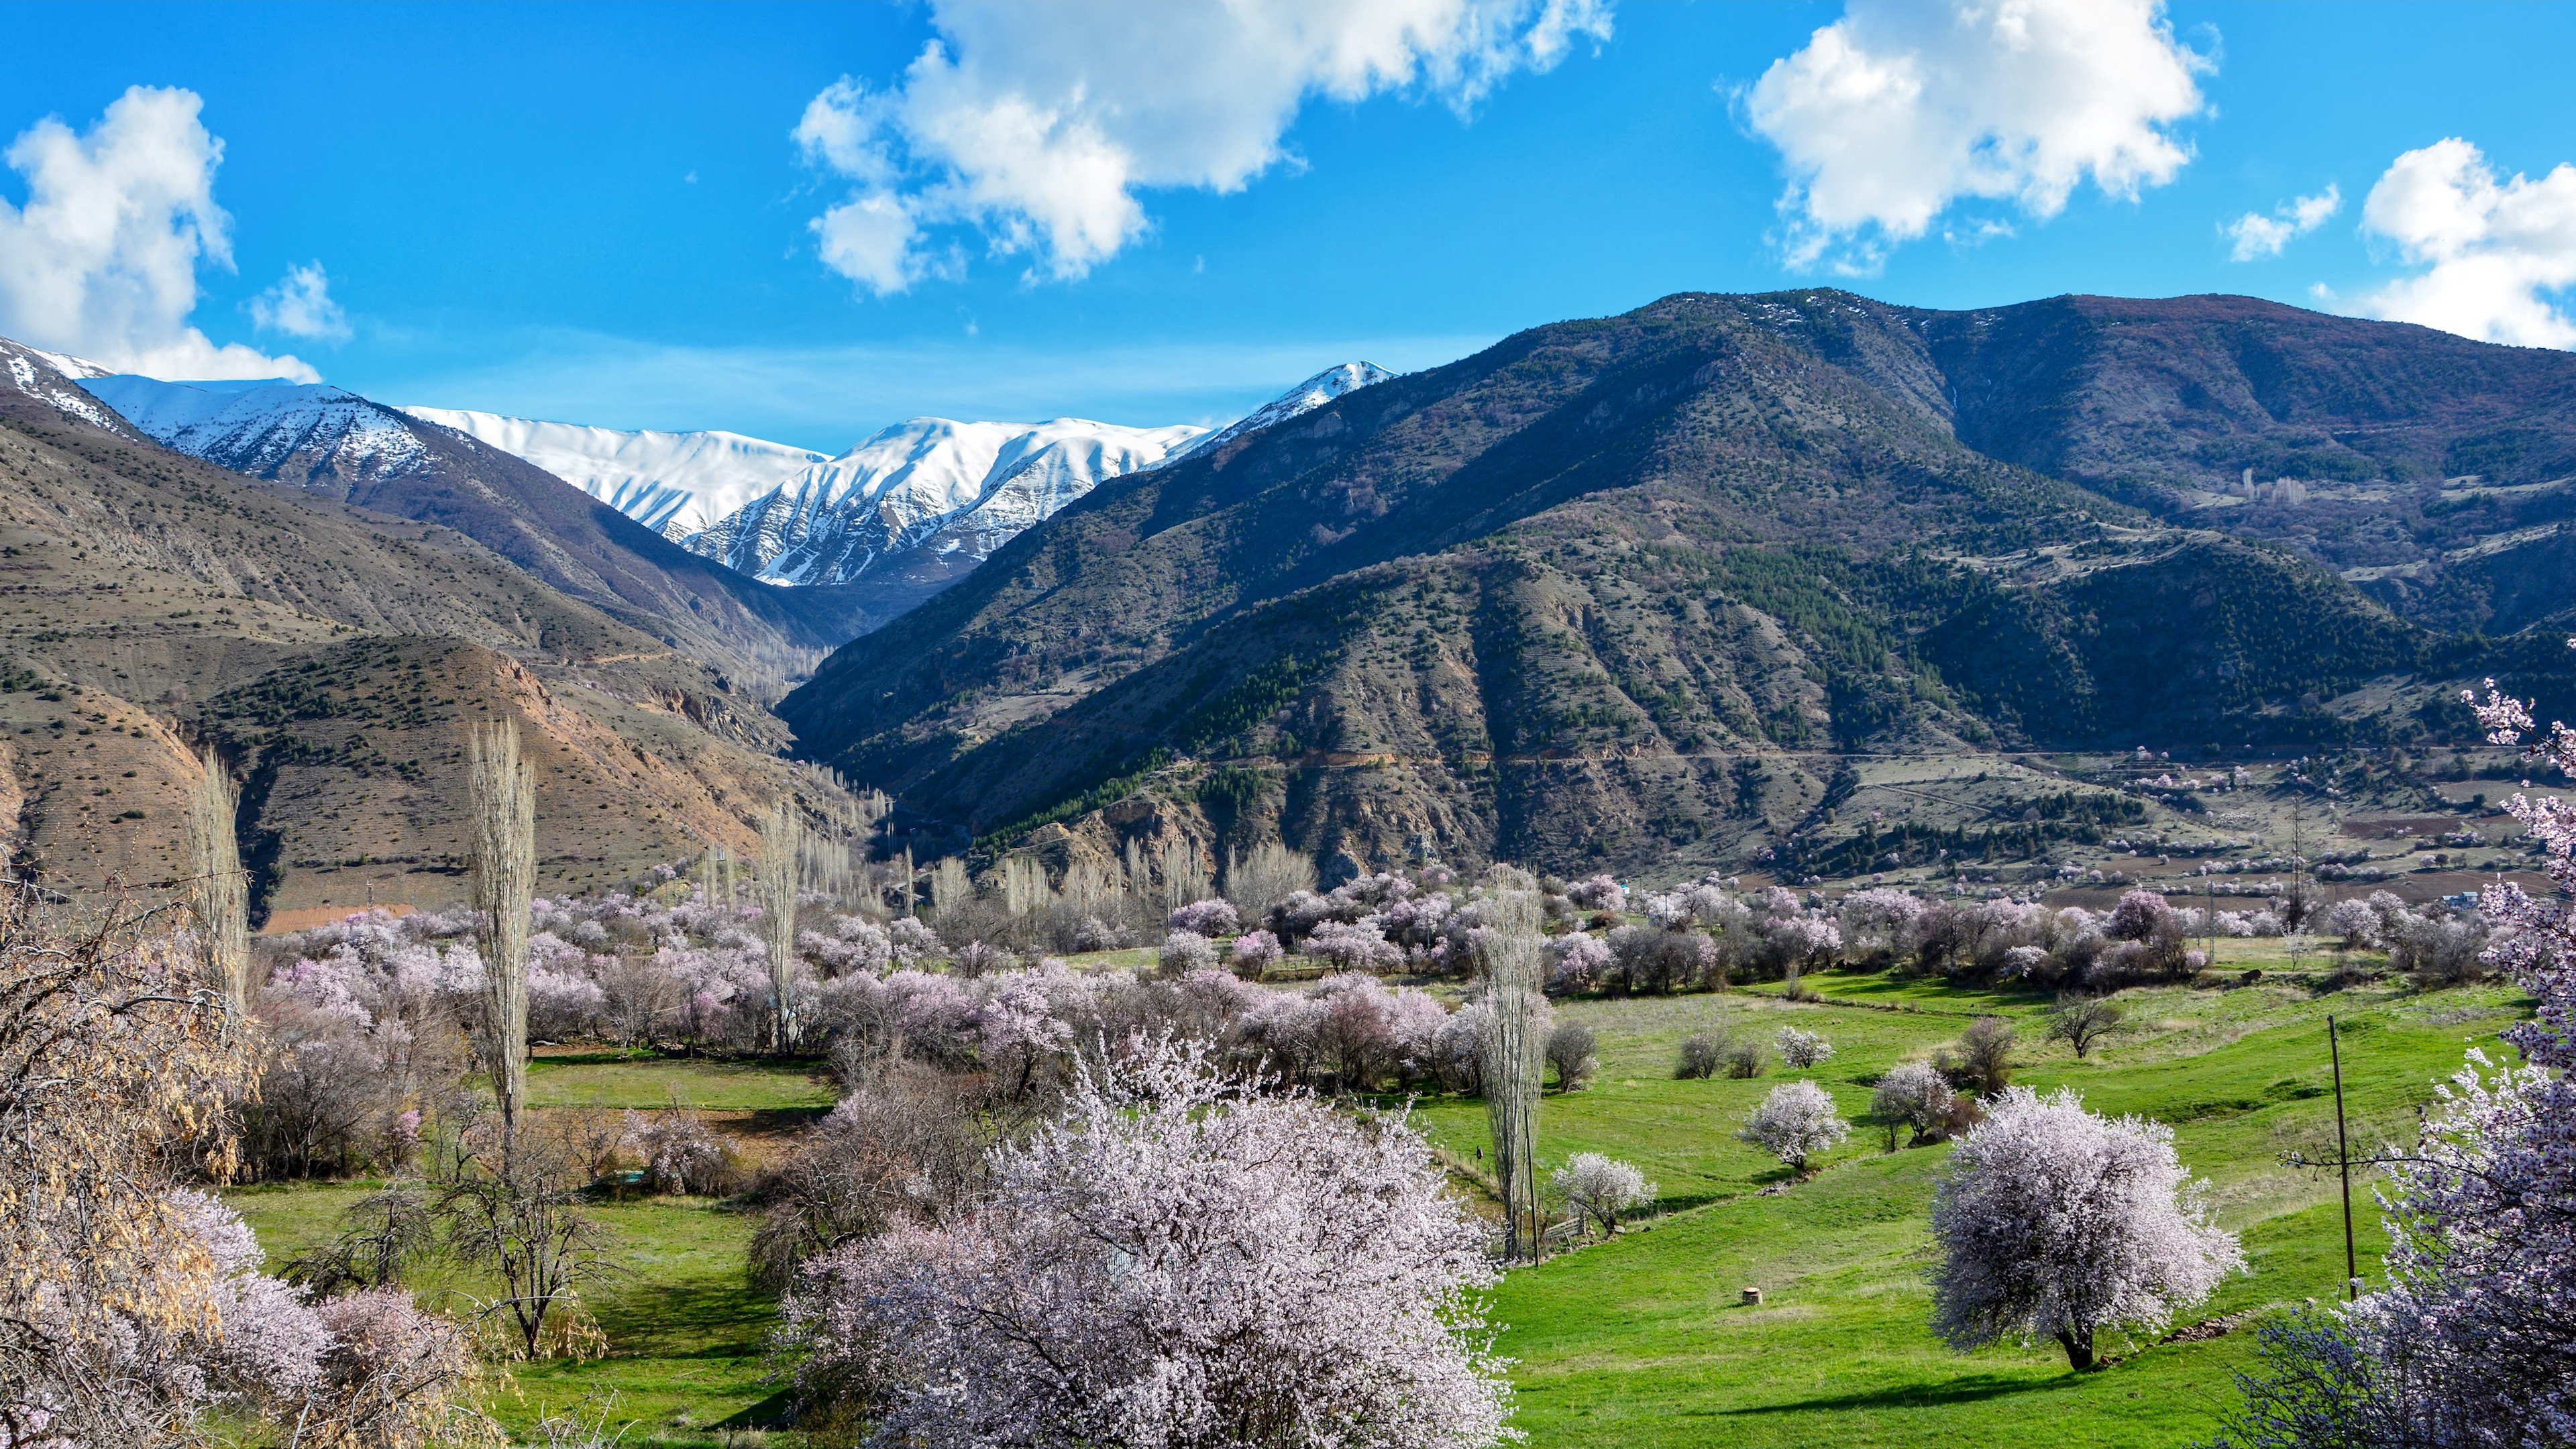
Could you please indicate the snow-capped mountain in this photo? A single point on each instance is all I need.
(674, 483)
(254, 426)
(938, 495)
(957, 491)
(1305, 397)
(47, 377)
(957, 488)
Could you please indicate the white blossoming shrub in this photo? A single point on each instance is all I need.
(1171, 1259)
(1210, 918)
(1184, 952)
(1796, 1122)
(1598, 1189)
(1802, 1048)
(2056, 1222)
(1913, 1095)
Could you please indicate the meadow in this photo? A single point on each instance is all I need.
(1642, 1339)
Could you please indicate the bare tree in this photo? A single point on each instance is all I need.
(2082, 1021)
(501, 843)
(1985, 1054)
(519, 1213)
(782, 836)
(1569, 1050)
(221, 886)
(950, 887)
(1514, 956)
(1270, 874)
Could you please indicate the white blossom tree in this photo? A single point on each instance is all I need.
(1177, 1260)
(1600, 1188)
(1914, 1094)
(2057, 1222)
(1797, 1121)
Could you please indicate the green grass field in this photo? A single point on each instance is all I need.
(1642, 1340)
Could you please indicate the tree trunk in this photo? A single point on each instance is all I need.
(2079, 1349)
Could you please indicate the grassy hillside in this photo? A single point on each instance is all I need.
(1643, 1339)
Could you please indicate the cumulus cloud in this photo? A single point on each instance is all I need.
(102, 261)
(2494, 252)
(1037, 126)
(300, 305)
(1899, 109)
(2258, 236)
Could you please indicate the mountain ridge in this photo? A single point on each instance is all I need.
(154, 604)
(1709, 533)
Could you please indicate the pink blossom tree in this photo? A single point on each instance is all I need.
(2473, 1340)
(1178, 1259)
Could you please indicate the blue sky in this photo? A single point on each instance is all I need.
(608, 216)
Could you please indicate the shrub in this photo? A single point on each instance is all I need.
(1184, 953)
(1701, 1052)
(1569, 1050)
(1032, 1313)
(1095, 934)
(1742, 1056)
(1581, 962)
(1255, 952)
(1209, 918)
(1802, 1049)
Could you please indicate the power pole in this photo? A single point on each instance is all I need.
(2343, 1164)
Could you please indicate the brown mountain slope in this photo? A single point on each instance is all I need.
(1633, 590)
(2432, 471)
(151, 603)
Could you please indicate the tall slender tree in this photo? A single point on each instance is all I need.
(220, 886)
(1513, 954)
(782, 840)
(501, 844)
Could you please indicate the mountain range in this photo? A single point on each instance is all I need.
(1658, 592)
(672, 483)
(1642, 590)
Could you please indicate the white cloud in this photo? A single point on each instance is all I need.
(1039, 125)
(300, 305)
(2258, 236)
(2493, 251)
(103, 259)
(1898, 109)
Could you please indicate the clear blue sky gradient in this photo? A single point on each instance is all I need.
(499, 195)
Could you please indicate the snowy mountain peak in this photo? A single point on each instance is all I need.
(674, 483)
(1304, 398)
(54, 379)
(960, 490)
(254, 426)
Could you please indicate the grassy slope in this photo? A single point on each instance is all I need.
(1641, 1341)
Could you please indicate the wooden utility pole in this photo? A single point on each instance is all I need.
(2343, 1164)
